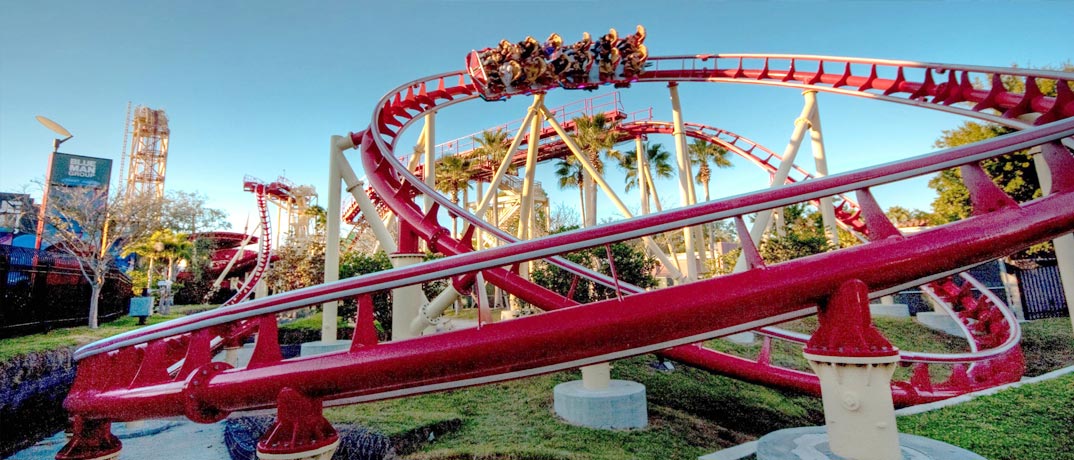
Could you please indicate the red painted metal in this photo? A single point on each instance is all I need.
(299, 426)
(846, 326)
(107, 387)
(264, 256)
(92, 439)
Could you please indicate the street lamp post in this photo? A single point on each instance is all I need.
(56, 128)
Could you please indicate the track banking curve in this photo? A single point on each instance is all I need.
(857, 77)
(126, 377)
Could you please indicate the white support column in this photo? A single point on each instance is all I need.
(494, 185)
(356, 188)
(525, 216)
(567, 139)
(1064, 245)
(430, 155)
(686, 180)
(855, 366)
(642, 159)
(331, 247)
(801, 124)
(827, 209)
(407, 301)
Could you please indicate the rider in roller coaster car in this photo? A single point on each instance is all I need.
(552, 47)
(608, 65)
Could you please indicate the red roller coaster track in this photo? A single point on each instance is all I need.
(167, 369)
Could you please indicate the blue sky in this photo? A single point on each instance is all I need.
(259, 87)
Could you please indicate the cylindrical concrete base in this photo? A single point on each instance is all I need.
(812, 443)
(321, 453)
(621, 406)
(320, 346)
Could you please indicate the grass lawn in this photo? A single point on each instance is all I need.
(1032, 422)
(689, 415)
(73, 336)
(691, 412)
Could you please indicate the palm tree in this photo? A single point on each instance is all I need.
(570, 174)
(702, 153)
(595, 136)
(146, 250)
(453, 176)
(492, 146)
(173, 247)
(319, 216)
(654, 157)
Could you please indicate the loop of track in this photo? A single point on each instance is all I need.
(126, 377)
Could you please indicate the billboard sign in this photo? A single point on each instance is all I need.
(79, 171)
(73, 180)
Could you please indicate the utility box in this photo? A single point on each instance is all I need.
(141, 307)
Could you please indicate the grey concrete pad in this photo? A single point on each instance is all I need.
(621, 406)
(318, 347)
(172, 439)
(940, 322)
(897, 310)
(811, 443)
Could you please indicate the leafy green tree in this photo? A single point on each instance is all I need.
(903, 217)
(631, 265)
(657, 158)
(92, 226)
(319, 216)
(1014, 173)
(300, 264)
(186, 212)
(354, 263)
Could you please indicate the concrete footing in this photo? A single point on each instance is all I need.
(744, 338)
(811, 443)
(939, 321)
(620, 406)
(318, 347)
(898, 310)
(322, 453)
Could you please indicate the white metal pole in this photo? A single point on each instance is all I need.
(685, 178)
(430, 155)
(827, 210)
(494, 185)
(356, 188)
(331, 247)
(526, 213)
(1064, 245)
(801, 124)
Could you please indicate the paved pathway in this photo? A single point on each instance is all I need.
(176, 439)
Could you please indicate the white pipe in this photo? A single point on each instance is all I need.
(494, 186)
(357, 190)
(526, 211)
(827, 209)
(801, 124)
(430, 311)
(567, 139)
(430, 155)
(329, 310)
(1064, 245)
(525, 216)
(686, 180)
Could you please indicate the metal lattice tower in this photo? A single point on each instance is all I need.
(149, 152)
